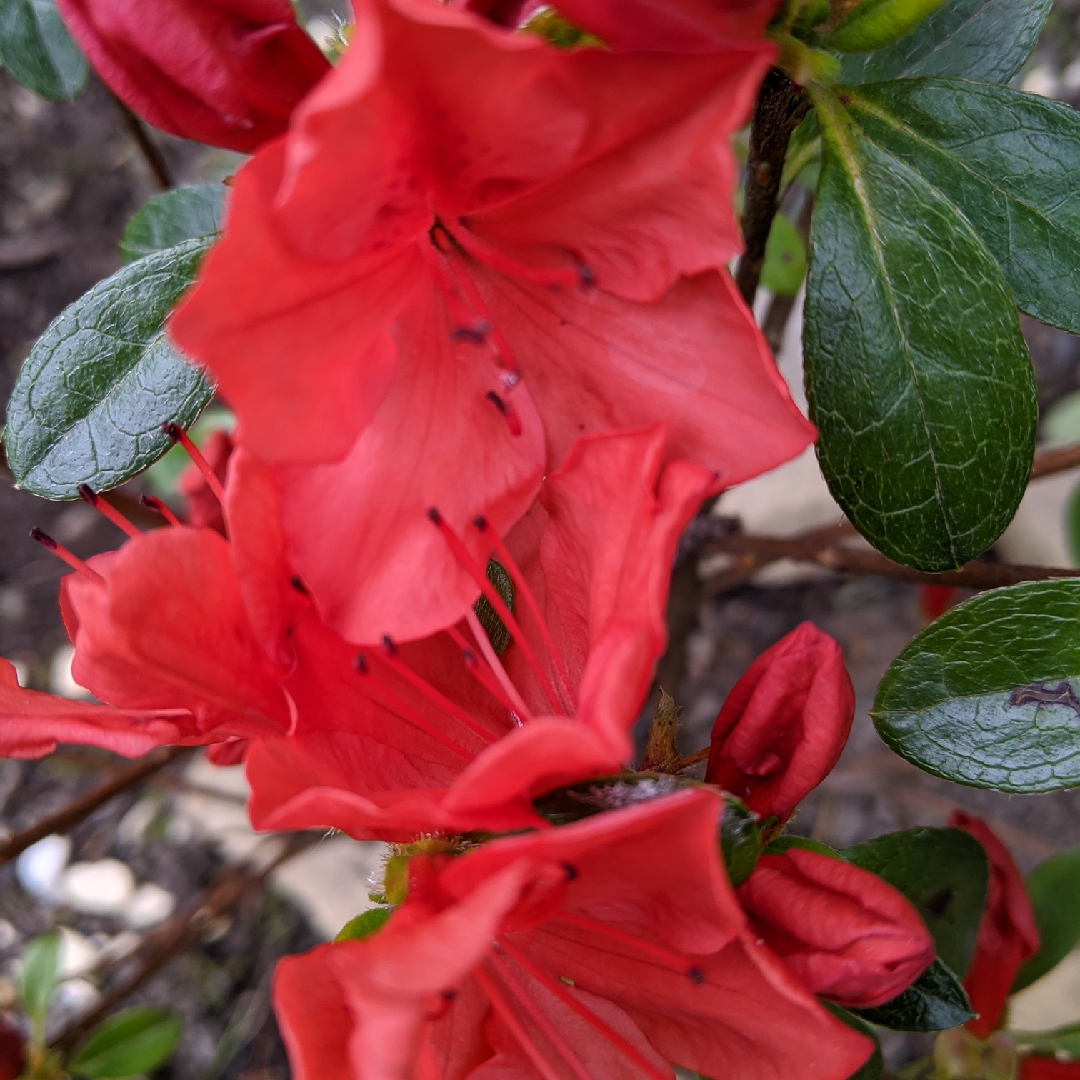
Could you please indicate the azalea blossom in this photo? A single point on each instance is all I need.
(609, 948)
(224, 72)
(842, 931)
(784, 724)
(471, 249)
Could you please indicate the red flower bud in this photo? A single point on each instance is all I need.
(1007, 933)
(842, 932)
(784, 724)
(224, 72)
(12, 1051)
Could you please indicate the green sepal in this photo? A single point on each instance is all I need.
(365, 924)
(936, 1001)
(740, 839)
(873, 24)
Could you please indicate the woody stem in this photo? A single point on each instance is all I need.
(155, 160)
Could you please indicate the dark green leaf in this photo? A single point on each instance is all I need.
(780, 845)
(988, 694)
(873, 24)
(1062, 1044)
(785, 258)
(496, 631)
(129, 1043)
(1009, 161)
(917, 374)
(38, 51)
(740, 840)
(90, 400)
(934, 1002)
(1054, 889)
(1072, 525)
(40, 969)
(943, 873)
(365, 924)
(985, 40)
(875, 1063)
(168, 219)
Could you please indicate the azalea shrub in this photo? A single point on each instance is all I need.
(478, 300)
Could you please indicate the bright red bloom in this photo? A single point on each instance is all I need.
(843, 932)
(609, 948)
(470, 251)
(784, 724)
(1044, 1068)
(224, 72)
(1007, 936)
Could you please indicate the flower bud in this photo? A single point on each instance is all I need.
(224, 72)
(784, 724)
(841, 931)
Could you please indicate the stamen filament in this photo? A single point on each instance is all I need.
(517, 1029)
(666, 957)
(403, 711)
(476, 572)
(504, 355)
(178, 434)
(495, 664)
(498, 260)
(547, 1028)
(594, 1021)
(155, 504)
(484, 674)
(62, 552)
(107, 510)
(438, 699)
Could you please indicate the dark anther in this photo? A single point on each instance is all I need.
(434, 516)
(586, 276)
(150, 503)
(298, 585)
(570, 871)
(388, 644)
(937, 903)
(86, 493)
(43, 538)
(470, 656)
(448, 995)
(477, 334)
(696, 975)
(496, 401)
(360, 663)
(289, 631)
(480, 522)
(172, 430)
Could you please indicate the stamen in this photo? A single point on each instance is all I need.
(507, 411)
(486, 676)
(666, 957)
(468, 563)
(62, 552)
(563, 994)
(547, 1028)
(517, 1029)
(438, 699)
(107, 510)
(498, 260)
(152, 503)
(477, 334)
(506, 560)
(483, 643)
(178, 434)
(403, 711)
(504, 355)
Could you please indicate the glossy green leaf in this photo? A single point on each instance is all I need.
(785, 258)
(1009, 161)
(38, 51)
(934, 1002)
(988, 694)
(40, 970)
(168, 219)
(740, 840)
(1062, 1044)
(129, 1043)
(917, 374)
(984, 40)
(90, 400)
(497, 633)
(874, 1068)
(943, 872)
(1054, 889)
(1072, 525)
(782, 844)
(873, 24)
(365, 924)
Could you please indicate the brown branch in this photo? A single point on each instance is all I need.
(149, 149)
(1050, 462)
(690, 760)
(83, 807)
(834, 556)
(779, 107)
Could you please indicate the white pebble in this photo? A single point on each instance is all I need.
(116, 948)
(76, 996)
(98, 888)
(151, 904)
(78, 954)
(8, 935)
(1041, 80)
(39, 867)
(61, 681)
(1070, 77)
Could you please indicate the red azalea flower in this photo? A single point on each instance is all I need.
(1042, 1068)
(843, 932)
(609, 948)
(783, 726)
(1007, 933)
(224, 72)
(469, 252)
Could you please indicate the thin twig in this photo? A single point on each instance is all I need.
(152, 155)
(81, 808)
(1050, 462)
(691, 760)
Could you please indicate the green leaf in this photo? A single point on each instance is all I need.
(934, 1002)
(1054, 890)
(168, 219)
(1072, 525)
(38, 50)
(984, 40)
(917, 374)
(365, 924)
(129, 1043)
(496, 631)
(740, 840)
(874, 1068)
(785, 258)
(877, 23)
(988, 694)
(90, 400)
(781, 845)
(1062, 1044)
(943, 872)
(40, 970)
(1009, 161)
